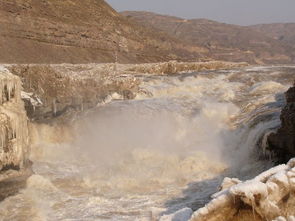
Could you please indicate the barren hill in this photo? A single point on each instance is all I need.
(74, 31)
(90, 31)
(224, 41)
(283, 32)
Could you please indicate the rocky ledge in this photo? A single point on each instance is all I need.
(282, 142)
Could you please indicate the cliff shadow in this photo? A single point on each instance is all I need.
(195, 195)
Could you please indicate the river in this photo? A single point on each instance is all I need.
(167, 149)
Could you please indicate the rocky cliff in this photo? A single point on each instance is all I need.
(282, 143)
(74, 31)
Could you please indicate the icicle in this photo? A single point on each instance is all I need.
(54, 106)
(8, 91)
(253, 210)
(1, 137)
(1, 92)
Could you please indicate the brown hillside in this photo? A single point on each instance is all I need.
(224, 41)
(74, 31)
(283, 32)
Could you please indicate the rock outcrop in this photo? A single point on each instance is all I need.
(282, 142)
(14, 137)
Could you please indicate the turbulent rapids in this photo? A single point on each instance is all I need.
(167, 149)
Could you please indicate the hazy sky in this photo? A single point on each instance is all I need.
(230, 11)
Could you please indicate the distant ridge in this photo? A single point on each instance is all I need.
(223, 41)
(282, 32)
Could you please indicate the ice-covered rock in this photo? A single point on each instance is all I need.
(269, 196)
(34, 100)
(14, 137)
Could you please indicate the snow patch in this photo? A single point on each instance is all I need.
(34, 100)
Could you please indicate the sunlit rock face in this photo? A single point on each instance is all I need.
(14, 139)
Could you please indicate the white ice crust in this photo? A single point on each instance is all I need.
(264, 194)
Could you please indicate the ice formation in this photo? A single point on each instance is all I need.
(13, 123)
(34, 100)
(266, 197)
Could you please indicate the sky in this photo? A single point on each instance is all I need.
(242, 12)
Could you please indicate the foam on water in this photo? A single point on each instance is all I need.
(166, 150)
(265, 87)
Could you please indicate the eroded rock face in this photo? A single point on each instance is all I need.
(57, 90)
(282, 143)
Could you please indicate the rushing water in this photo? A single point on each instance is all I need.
(169, 148)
